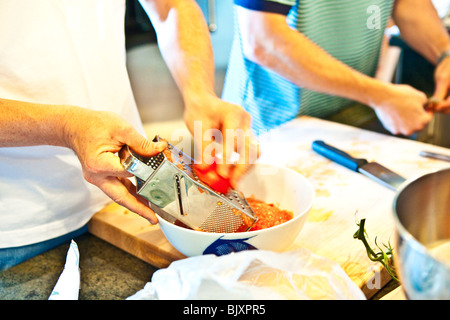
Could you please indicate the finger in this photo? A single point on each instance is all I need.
(211, 139)
(441, 89)
(143, 146)
(443, 107)
(121, 191)
(133, 191)
(431, 104)
(252, 149)
(228, 146)
(250, 155)
(237, 137)
(108, 164)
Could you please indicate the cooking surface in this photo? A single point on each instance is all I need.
(342, 197)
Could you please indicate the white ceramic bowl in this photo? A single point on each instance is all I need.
(284, 187)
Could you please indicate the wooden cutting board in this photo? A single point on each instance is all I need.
(342, 198)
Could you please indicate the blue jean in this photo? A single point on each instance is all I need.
(10, 257)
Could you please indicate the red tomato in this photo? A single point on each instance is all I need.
(210, 176)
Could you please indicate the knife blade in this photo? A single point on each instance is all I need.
(373, 170)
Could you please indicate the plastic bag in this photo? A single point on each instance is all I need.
(251, 275)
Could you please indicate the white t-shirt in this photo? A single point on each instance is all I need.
(57, 52)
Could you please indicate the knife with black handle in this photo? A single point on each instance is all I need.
(372, 170)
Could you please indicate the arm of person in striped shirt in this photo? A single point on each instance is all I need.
(421, 27)
(269, 41)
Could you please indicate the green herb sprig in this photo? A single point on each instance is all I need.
(386, 258)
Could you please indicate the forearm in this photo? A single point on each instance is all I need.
(183, 39)
(421, 28)
(270, 42)
(29, 124)
(94, 136)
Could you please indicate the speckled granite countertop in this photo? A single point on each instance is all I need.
(107, 273)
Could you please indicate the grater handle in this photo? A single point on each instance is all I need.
(133, 164)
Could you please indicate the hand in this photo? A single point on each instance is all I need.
(232, 134)
(95, 137)
(442, 88)
(210, 176)
(401, 109)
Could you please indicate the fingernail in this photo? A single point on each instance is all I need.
(153, 221)
(161, 145)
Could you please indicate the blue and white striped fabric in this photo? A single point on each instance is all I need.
(343, 28)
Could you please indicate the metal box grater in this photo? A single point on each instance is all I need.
(169, 183)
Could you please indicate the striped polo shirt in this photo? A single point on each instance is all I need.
(349, 30)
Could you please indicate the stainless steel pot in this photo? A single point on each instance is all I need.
(422, 238)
